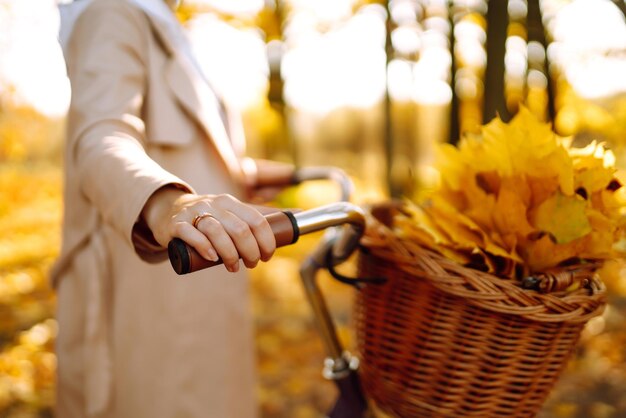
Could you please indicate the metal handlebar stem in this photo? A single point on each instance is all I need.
(344, 224)
(339, 365)
(332, 215)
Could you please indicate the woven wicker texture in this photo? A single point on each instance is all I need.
(442, 340)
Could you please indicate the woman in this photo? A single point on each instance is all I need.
(149, 158)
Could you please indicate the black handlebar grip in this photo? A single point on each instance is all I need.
(185, 259)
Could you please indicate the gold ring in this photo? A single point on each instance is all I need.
(199, 217)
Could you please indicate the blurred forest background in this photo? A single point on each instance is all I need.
(368, 86)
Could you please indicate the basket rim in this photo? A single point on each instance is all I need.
(482, 289)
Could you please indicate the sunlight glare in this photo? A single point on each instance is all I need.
(236, 66)
(400, 80)
(434, 63)
(344, 67)
(432, 92)
(405, 12)
(406, 40)
(32, 70)
(590, 40)
(237, 8)
(326, 10)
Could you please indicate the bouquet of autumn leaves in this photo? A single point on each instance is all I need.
(516, 200)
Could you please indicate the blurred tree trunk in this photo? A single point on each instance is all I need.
(497, 23)
(621, 4)
(454, 105)
(536, 32)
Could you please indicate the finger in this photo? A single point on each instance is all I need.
(242, 237)
(214, 230)
(257, 223)
(195, 238)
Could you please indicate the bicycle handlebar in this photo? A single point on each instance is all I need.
(185, 259)
(287, 228)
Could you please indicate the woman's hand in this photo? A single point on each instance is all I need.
(266, 178)
(215, 225)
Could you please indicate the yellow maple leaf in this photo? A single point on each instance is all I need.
(523, 146)
(450, 165)
(420, 219)
(544, 253)
(510, 211)
(516, 198)
(564, 217)
(593, 179)
(541, 188)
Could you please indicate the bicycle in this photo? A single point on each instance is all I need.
(344, 224)
(396, 382)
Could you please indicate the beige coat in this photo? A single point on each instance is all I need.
(136, 340)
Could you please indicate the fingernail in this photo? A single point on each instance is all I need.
(235, 268)
(212, 255)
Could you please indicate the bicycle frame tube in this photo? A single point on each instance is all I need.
(335, 214)
(339, 365)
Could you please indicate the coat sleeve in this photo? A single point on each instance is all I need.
(107, 64)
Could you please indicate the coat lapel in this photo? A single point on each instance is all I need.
(200, 102)
(190, 86)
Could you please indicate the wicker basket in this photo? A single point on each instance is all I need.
(442, 340)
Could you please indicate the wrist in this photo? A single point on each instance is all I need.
(158, 210)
